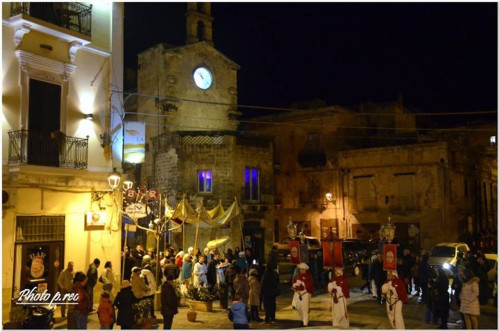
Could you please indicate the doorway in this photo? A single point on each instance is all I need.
(253, 238)
(45, 139)
(39, 266)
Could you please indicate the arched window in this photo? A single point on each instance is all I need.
(201, 31)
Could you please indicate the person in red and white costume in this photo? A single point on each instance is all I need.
(395, 294)
(338, 288)
(302, 284)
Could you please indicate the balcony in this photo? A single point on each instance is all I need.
(47, 149)
(73, 16)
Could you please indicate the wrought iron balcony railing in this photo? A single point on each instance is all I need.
(74, 16)
(47, 149)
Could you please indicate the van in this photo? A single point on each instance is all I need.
(445, 255)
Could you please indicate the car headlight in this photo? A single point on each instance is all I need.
(446, 266)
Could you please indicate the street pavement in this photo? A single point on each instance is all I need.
(364, 313)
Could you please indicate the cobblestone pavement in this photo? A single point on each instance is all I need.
(364, 313)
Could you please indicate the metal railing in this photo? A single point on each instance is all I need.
(74, 16)
(47, 149)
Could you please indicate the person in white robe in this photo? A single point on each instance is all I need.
(302, 284)
(338, 288)
(395, 294)
(200, 273)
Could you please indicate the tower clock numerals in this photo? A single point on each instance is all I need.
(202, 78)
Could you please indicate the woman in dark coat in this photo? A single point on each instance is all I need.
(269, 291)
(169, 302)
(441, 298)
(123, 301)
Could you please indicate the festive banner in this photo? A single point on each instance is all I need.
(327, 254)
(294, 252)
(337, 254)
(390, 257)
(332, 254)
(134, 142)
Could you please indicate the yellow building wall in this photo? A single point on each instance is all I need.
(80, 246)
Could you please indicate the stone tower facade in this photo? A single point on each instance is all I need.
(199, 23)
(188, 99)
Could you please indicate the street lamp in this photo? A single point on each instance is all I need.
(292, 229)
(114, 179)
(127, 184)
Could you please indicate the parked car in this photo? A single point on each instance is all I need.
(285, 267)
(445, 255)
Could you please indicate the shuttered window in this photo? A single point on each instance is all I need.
(39, 228)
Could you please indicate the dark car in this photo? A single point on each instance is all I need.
(362, 248)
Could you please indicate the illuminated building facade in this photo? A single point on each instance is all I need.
(61, 136)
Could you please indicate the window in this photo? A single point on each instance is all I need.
(205, 181)
(39, 228)
(493, 140)
(406, 192)
(251, 184)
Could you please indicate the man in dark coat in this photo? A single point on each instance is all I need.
(123, 301)
(212, 270)
(406, 268)
(441, 298)
(169, 302)
(480, 269)
(229, 276)
(171, 269)
(129, 264)
(269, 291)
(92, 281)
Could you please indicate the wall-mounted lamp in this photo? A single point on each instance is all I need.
(89, 116)
(114, 179)
(127, 184)
(329, 198)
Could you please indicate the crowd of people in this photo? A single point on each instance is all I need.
(249, 287)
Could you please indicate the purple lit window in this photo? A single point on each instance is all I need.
(251, 184)
(204, 181)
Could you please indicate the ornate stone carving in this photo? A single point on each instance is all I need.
(73, 47)
(20, 31)
(35, 63)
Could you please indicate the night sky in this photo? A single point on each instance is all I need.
(442, 57)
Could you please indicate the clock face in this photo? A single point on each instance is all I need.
(202, 78)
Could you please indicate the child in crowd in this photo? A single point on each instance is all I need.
(106, 311)
(239, 315)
